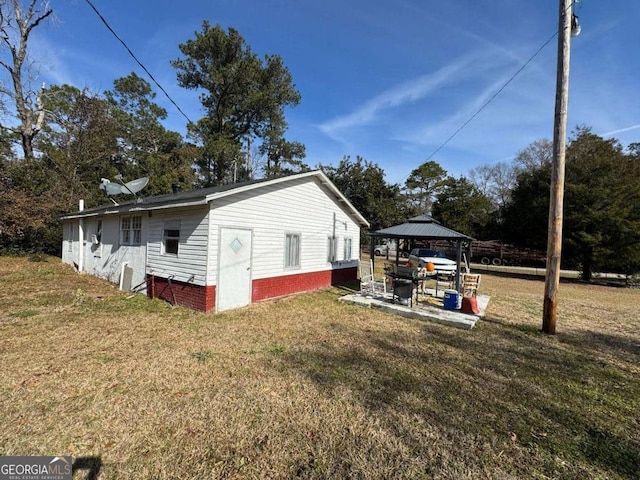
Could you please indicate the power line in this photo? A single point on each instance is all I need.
(492, 97)
(575, 2)
(136, 59)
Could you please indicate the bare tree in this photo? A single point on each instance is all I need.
(16, 25)
(482, 177)
(538, 154)
(504, 179)
(495, 181)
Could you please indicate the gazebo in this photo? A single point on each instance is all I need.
(424, 227)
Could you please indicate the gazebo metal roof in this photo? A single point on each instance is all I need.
(422, 227)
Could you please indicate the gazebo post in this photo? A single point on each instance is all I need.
(372, 248)
(397, 251)
(459, 260)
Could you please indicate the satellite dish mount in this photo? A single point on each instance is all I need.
(128, 188)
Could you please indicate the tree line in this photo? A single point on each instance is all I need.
(510, 201)
(58, 142)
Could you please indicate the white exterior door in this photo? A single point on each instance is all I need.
(234, 269)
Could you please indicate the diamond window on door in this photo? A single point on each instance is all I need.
(235, 245)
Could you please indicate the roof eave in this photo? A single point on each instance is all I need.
(131, 208)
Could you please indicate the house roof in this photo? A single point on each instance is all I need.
(422, 227)
(203, 196)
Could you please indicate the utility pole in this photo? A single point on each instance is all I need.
(554, 239)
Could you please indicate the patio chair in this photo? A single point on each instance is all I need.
(369, 285)
(470, 284)
(445, 280)
(423, 276)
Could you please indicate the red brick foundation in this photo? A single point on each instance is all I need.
(203, 298)
(197, 297)
(287, 284)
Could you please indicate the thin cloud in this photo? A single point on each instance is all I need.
(58, 67)
(501, 114)
(478, 38)
(621, 130)
(54, 67)
(408, 92)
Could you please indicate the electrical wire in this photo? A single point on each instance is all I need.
(511, 79)
(555, 34)
(136, 59)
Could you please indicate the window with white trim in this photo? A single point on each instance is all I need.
(171, 237)
(332, 249)
(131, 230)
(292, 250)
(347, 249)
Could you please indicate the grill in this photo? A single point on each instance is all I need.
(404, 279)
(403, 288)
(406, 273)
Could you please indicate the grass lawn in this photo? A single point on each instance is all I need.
(308, 387)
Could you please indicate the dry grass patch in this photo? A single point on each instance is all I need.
(307, 387)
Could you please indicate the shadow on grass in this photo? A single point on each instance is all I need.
(346, 287)
(596, 444)
(376, 382)
(610, 450)
(501, 382)
(618, 345)
(91, 465)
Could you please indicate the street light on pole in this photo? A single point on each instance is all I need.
(567, 26)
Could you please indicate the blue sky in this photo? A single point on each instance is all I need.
(389, 81)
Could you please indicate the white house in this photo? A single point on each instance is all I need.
(222, 247)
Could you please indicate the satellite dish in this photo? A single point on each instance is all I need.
(134, 186)
(110, 188)
(113, 189)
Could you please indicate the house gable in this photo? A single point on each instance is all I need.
(303, 207)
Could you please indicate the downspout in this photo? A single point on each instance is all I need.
(334, 248)
(81, 238)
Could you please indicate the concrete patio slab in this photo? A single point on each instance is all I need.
(429, 308)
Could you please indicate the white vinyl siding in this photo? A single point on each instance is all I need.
(302, 206)
(193, 226)
(105, 259)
